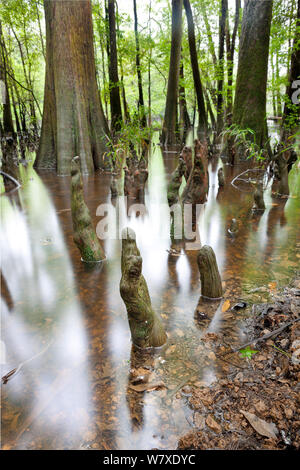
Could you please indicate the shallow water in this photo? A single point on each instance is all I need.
(68, 321)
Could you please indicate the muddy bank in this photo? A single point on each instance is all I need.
(256, 406)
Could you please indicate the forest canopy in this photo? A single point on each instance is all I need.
(157, 65)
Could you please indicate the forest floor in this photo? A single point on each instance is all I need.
(256, 406)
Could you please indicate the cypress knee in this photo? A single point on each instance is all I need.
(196, 189)
(281, 176)
(84, 234)
(221, 178)
(187, 155)
(211, 285)
(259, 204)
(145, 326)
(175, 183)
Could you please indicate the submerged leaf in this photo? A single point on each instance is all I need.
(225, 306)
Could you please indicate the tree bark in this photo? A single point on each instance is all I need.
(168, 136)
(184, 117)
(202, 124)
(292, 110)
(220, 68)
(8, 126)
(114, 88)
(141, 104)
(249, 110)
(146, 328)
(230, 52)
(211, 284)
(73, 120)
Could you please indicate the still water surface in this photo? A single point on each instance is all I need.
(64, 323)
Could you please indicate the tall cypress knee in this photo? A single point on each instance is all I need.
(83, 230)
(145, 326)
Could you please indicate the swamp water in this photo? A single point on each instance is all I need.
(64, 325)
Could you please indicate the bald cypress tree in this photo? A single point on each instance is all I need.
(114, 88)
(292, 107)
(249, 111)
(73, 120)
(202, 125)
(169, 125)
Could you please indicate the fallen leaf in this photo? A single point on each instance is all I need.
(212, 424)
(272, 285)
(261, 426)
(225, 305)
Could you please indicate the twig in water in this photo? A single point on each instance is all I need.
(261, 338)
(7, 376)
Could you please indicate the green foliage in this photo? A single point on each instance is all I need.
(247, 352)
(130, 135)
(246, 138)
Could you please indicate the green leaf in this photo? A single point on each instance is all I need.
(247, 352)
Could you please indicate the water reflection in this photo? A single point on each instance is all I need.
(43, 332)
(71, 320)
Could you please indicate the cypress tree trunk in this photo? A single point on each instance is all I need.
(209, 109)
(292, 110)
(220, 68)
(73, 120)
(114, 89)
(250, 97)
(146, 327)
(149, 69)
(202, 125)
(8, 126)
(230, 52)
(184, 118)
(138, 68)
(168, 136)
(125, 104)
